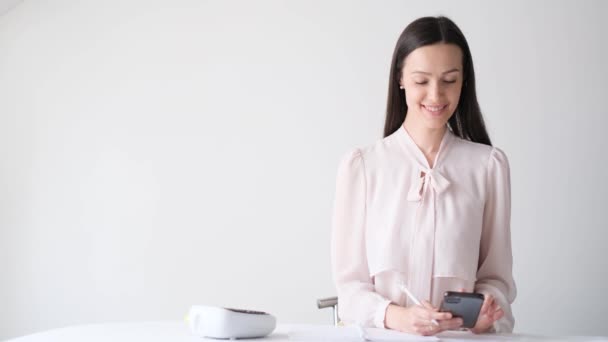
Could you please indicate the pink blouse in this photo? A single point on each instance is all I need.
(434, 230)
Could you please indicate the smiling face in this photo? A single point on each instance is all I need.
(432, 77)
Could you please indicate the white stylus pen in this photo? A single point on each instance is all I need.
(414, 299)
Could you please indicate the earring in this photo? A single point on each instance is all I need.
(401, 87)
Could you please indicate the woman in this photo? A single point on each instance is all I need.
(428, 206)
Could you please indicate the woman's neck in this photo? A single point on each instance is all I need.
(427, 139)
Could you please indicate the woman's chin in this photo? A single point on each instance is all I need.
(436, 122)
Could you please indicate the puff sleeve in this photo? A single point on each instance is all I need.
(358, 301)
(494, 273)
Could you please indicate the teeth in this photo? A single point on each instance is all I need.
(434, 108)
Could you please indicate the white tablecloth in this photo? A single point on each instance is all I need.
(176, 331)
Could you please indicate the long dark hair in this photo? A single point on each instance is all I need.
(467, 121)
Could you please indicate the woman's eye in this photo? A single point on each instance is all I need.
(449, 81)
(421, 82)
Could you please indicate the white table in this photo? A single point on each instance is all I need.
(176, 331)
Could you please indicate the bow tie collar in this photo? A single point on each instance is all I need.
(428, 176)
(425, 176)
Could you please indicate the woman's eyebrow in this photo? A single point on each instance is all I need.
(451, 70)
(428, 73)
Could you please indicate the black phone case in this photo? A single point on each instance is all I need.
(464, 305)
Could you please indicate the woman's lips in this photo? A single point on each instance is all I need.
(434, 110)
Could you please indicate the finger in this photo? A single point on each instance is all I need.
(497, 307)
(426, 327)
(491, 305)
(498, 314)
(426, 304)
(462, 289)
(486, 304)
(493, 308)
(427, 315)
(450, 324)
(430, 330)
(438, 316)
(423, 323)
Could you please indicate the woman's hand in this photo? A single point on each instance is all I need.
(418, 319)
(490, 312)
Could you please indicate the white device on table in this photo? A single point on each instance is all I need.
(226, 323)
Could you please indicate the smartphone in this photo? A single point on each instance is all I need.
(464, 305)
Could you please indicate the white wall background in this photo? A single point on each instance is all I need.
(158, 154)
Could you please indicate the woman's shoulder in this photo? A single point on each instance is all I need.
(475, 148)
(375, 152)
(483, 153)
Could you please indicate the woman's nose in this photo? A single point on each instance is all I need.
(435, 92)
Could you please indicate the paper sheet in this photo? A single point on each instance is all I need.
(303, 332)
